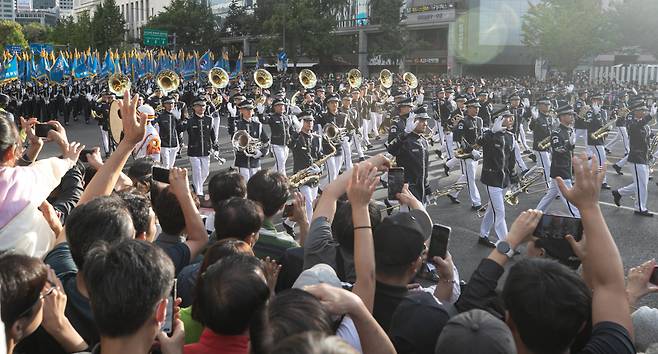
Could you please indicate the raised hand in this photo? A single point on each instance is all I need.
(134, 123)
(585, 192)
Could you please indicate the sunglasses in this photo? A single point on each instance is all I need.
(48, 292)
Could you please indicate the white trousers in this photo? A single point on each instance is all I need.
(358, 144)
(248, 172)
(522, 137)
(215, 125)
(599, 152)
(200, 171)
(468, 167)
(449, 145)
(365, 129)
(280, 154)
(346, 144)
(554, 191)
(581, 136)
(638, 187)
(622, 135)
(309, 193)
(105, 140)
(333, 166)
(376, 121)
(495, 214)
(168, 156)
(544, 161)
(518, 157)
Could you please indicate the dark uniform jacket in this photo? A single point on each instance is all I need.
(541, 129)
(498, 158)
(103, 111)
(200, 136)
(639, 140)
(410, 151)
(520, 114)
(255, 130)
(168, 128)
(306, 149)
(280, 127)
(562, 145)
(397, 127)
(594, 122)
(485, 113)
(467, 131)
(579, 122)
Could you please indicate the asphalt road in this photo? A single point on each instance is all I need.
(636, 236)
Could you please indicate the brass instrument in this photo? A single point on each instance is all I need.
(167, 81)
(604, 130)
(217, 100)
(623, 112)
(545, 143)
(263, 78)
(583, 111)
(354, 78)
(461, 152)
(293, 99)
(118, 83)
(410, 79)
(307, 78)
(334, 134)
(116, 126)
(218, 78)
(386, 78)
(433, 198)
(307, 175)
(529, 179)
(245, 143)
(386, 124)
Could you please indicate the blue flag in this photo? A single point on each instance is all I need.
(93, 64)
(60, 70)
(108, 65)
(9, 70)
(81, 71)
(189, 69)
(205, 63)
(42, 68)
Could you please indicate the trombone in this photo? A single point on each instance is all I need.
(530, 179)
(433, 198)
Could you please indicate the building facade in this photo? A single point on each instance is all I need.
(7, 10)
(81, 6)
(46, 17)
(137, 13)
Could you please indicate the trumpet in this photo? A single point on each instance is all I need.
(167, 81)
(334, 134)
(263, 78)
(218, 78)
(410, 79)
(309, 174)
(307, 78)
(386, 78)
(604, 130)
(433, 198)
(245, 143)
(545, 143)
(354, 78)
(118, 83)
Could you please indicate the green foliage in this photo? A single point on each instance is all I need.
(309, 26)
(392, 42)
(193, 22)
(108, 26)
(238, 21)
(36, 33)
(566, 31)
(11, 33)
(634, 24)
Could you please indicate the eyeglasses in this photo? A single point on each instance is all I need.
(48, 292)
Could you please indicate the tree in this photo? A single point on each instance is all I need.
(389, 42)
(74, 34)
(193, 22)
(309, 27)
(633, 22)
(36, 33)
(108, 26)
(238, 22)
(11, 33)
(566, 31)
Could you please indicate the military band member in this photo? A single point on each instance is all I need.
(485, 111)
(399, 122)
(234, 112)
(353, 108)
(562, 143)
(102, 111)
(622, 133)
(155, 99)
(498, 172)
(411, 152)
(319, 97)
(639, 133)
(595, 118)
(168, 128)
(580, 125)
(617, 166)
(247, 163)
(281, 127)
(518, 129)
(449, 126)
(200, 141)
(307, 148)
(541, 129)
(310, 104)
(150, 144)
(331, 116)
(467, 132)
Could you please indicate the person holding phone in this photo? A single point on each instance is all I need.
(563, 142)
(639, 156)
(410, 149)
(498, 172)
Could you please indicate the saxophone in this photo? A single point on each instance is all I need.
(307, 175)
(604, 130)
(545, 143)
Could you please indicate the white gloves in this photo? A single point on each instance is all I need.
(261, 108)
(258, 154)
(409, 127)
(476, 154)
(654, 109)
(314, 169)
(534, 112)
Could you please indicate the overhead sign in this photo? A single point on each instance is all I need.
(420, 17)
(155, 38)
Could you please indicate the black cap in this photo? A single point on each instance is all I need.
(461, 98)
(333, 97)
(278, 100)
(401, 237)
(421, 113)
(168, 99)
(514, 96)
(306, 115)
(483, 93)
(544, 100)
(406, 102)
(238, 95)
(199, 101)
(246, 104)
(502, 112)
(417, 323)
(474, 102)
(567, 109)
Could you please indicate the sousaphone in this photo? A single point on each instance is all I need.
(116, 126)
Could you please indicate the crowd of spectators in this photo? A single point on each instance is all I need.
(92, 256)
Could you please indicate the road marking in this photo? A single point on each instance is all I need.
(615, 206)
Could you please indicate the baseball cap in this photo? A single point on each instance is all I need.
(318, 274)
(417, 323)
(475, 331)
(400, 238)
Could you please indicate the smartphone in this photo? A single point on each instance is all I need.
(557, 227)
(41, 129)
(287, 210)
(654, 276)
(168, 324)
(160, 174)
(83, 154)
(439, 241)
(395, 182)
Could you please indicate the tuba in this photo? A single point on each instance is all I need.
(307, 78)
(386, 78)
(118, 83)
(263, 78)
(218, 78)
(354, 78)
(245, 143)
(410, 79)
(167, 81)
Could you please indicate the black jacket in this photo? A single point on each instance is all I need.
(280, 127)
(562, 152)
(579, 123)
(497, 159)
(541, 129)
(255, 130)
(594, 122)
(397, 127)
(410, 151)
(467, 130)
(485, 114)
(168, 127)
(200, 135)
(306, 149)
(327, 118)
(638, 136)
